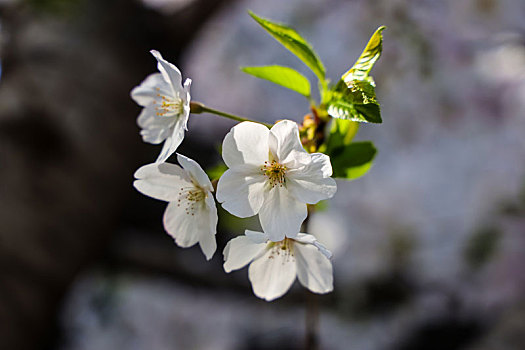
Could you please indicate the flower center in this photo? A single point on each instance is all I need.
(190, 199)
(284, 247)
(167, 106)
(275, 173)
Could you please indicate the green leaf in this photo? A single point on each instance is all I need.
(356, 102)
(294, 42)
(369, 56)
(284, 76)
(352, 161)
(353, 97)
(341, 133)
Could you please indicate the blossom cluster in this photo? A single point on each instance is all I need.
(270, 174)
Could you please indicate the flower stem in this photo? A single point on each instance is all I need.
(197, 107)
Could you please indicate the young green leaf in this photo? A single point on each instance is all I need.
(354, 97)
(355, 101)
(369, 56)
(352, 161)
(357, 113)
(284, 76)
(290, 39)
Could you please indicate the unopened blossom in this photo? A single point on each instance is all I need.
(274, 265)
(271, 174)
(166, 107)
(191, 215)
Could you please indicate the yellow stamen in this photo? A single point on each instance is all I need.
(191, 198)
(275, 173)
(284, 247)
(168, 106)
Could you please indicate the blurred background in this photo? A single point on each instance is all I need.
(429, 246)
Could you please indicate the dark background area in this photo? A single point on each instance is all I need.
(428, 246)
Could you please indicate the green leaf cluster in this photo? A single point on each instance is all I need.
(353, 97)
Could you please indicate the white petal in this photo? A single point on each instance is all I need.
(185, 96)
(321, 163)
(172, 142)
(240, 251)
(169, 71)
(207, 240)
(281, 215)
(272, 274)
(246, 143)
(310, 239)
(256, 237)
(210, 203)
(183, 227)
(208, 245)
(241, 191)
(187, 227)
(161, 181)
(195, 171)
(297, 159)
(284, 138)
(146, 93)
(314, 270)
(154, 129)
(312, 183)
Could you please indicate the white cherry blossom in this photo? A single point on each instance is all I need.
(271, 174)
(191, 215)
(274, 265)
(166, 107)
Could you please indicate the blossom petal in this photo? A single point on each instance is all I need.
(240, 251)
(284, 138)
(320, 164)
(210, 203)
(207, 240)
(310, 239)
(169, 71)
(146, 93)
(272, 274)
(241, 191)
(256, 237)
(183, 227)
(172, 142)
(281, 215)
(208, 245)
(161, 181)
(312, 183)
(246, 143)
(195, 171)
(154, 129)
(314, 270)
(185, 96)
